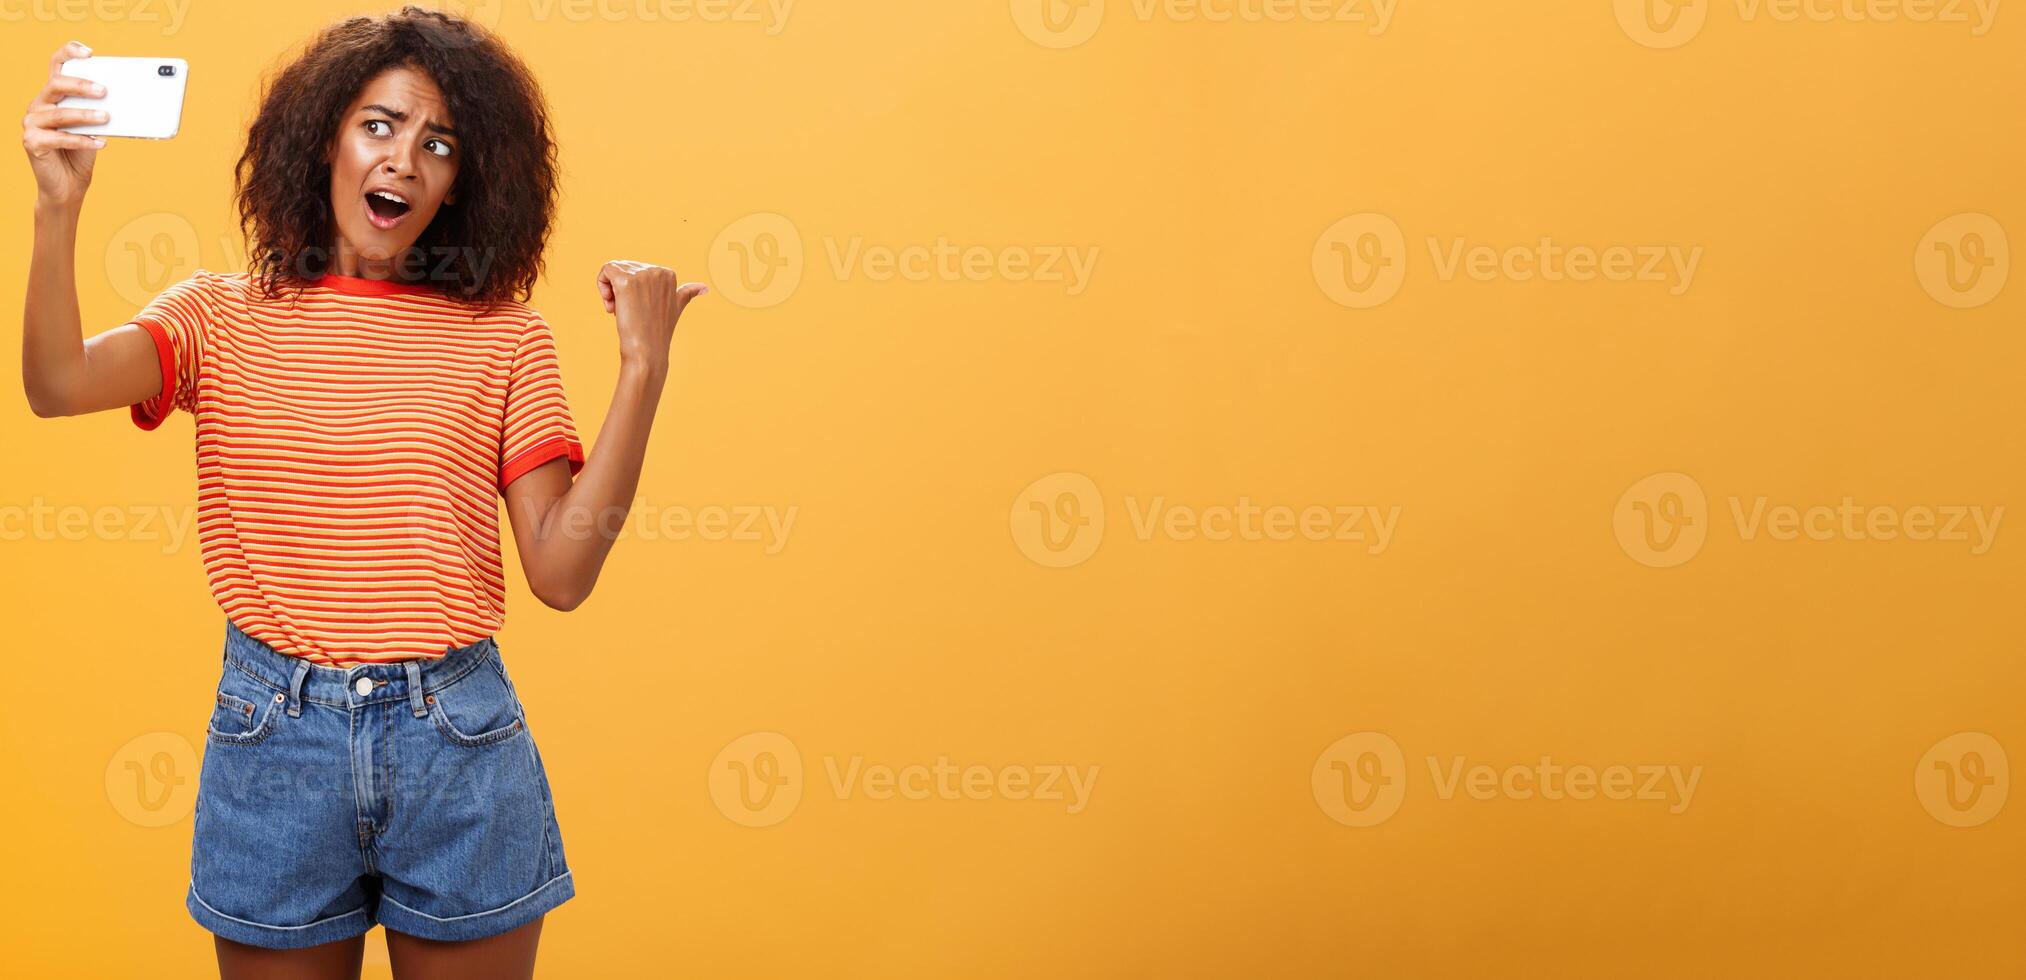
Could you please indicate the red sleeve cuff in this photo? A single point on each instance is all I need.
(150, 413)
(540, 453)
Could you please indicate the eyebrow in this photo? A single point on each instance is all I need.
(400, 116)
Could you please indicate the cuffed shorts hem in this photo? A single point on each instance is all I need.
(478, 925)
(393, 915)
(344, 925)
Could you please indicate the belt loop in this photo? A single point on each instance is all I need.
(302, 670)
(414, 668)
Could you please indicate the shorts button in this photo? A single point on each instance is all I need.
(364, 686)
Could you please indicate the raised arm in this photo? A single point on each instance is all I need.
(62, 373)
(564, 530)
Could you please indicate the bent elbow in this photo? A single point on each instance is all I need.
(46, 406)
(561, 600)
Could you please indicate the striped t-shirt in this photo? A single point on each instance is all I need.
(352, 443)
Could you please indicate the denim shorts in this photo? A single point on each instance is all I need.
(408, 794)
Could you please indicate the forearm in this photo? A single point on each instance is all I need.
(577, 533)
(52, 331)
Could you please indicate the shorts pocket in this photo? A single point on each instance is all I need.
(479, 708)
(245, 710)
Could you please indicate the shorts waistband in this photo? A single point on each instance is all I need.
(355, 686)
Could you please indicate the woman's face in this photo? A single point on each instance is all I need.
(393, 163)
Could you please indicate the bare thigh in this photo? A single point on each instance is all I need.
(507, 955)
(337, 960)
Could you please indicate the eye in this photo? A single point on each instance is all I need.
(438, 147)
(370, 123)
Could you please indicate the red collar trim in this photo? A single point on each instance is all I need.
(356, 286)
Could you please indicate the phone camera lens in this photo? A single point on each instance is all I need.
(166, 70)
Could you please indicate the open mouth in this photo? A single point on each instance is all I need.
(385, 208)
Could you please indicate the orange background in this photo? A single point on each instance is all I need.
(1513, 615)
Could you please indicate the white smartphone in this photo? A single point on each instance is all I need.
(144, 96)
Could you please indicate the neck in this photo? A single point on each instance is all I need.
(347, 261)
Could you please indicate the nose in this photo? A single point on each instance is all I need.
(397, 163)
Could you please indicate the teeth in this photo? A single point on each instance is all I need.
(391, 197)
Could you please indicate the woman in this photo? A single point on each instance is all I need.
(362, 397)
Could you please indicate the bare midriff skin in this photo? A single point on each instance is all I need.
(395, 138)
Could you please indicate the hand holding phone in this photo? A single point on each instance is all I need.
(144, 96)
(62, 160)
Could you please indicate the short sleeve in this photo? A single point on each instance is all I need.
(180, 320)
(538, 426)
